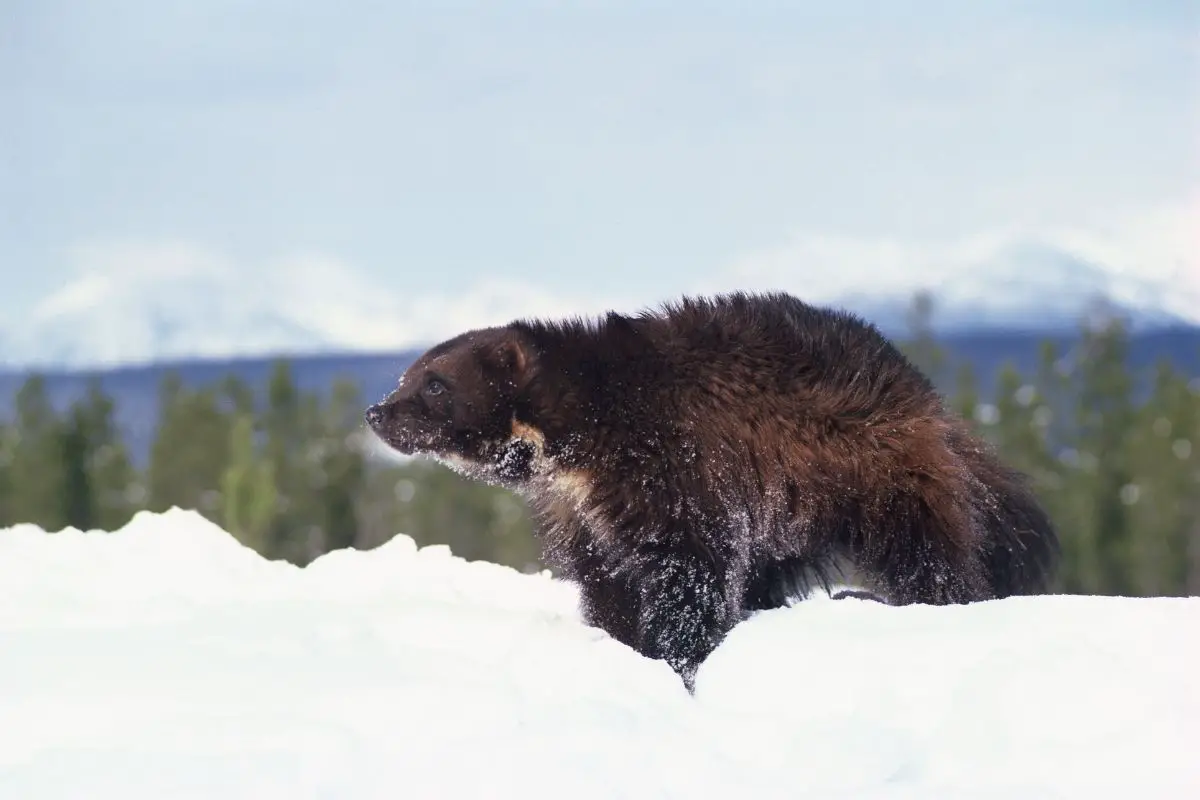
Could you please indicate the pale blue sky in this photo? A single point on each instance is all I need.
(653, 146)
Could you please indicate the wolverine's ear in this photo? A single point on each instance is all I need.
(510, 355)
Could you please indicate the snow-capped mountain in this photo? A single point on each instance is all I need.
(123, 311)
(138, 305)
(188, 319)
(1035, 287)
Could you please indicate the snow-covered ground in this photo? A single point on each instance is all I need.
(166, 661)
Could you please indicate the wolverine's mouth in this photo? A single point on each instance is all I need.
(409, 443)
(404, 439)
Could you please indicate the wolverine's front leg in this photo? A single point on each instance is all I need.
(606, 599)
(685, 609)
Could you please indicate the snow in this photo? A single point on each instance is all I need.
(166, 660)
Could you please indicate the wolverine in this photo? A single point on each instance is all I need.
(691, 464)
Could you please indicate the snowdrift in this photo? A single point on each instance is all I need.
(166, 660)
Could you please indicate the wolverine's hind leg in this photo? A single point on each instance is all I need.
(924, 550)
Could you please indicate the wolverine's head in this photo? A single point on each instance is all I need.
(458, 403)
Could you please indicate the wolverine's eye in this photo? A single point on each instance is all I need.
(434, 388)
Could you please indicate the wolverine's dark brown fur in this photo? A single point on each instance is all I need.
(691, 465)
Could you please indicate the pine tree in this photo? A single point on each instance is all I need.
(1192, 467)
(248, 489)
(1053, 419)
(293, 530)
(8, 446)
(238, 394)
(107, 464)
(341, 469)
(1022, 434)
(190, 450)
(921, 346)
(965, 401)
(37, 478)
(1104, 420)
(1166, 425)
(75, 451)
(1015, 432)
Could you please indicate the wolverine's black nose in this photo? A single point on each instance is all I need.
(374, 415)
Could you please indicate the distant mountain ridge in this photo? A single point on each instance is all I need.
(162, 304)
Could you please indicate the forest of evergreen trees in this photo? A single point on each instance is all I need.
(287, 474)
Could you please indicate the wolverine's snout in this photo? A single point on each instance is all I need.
(375, 416)
(381, 419)
(396, 428)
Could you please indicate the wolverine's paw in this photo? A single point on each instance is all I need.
(859, 594)
(687, 673)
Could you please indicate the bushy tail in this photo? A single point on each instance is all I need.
(1023, 549)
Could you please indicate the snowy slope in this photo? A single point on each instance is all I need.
(167, 661)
